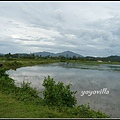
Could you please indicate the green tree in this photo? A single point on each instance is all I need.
(8, 55)
(58, 94)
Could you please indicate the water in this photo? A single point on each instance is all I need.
(83, 78)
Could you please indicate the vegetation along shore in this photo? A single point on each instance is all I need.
(24, 102)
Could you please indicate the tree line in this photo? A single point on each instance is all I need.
(112, 58)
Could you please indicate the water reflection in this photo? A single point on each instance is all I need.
(83, 78)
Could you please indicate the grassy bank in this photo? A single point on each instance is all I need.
(12, 108)
(15, 63)
(18, 62)
(92, 62)
(24, 102)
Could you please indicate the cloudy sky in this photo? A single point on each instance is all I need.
(87, 28)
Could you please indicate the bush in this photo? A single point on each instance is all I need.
(5, 81)
(84, 111)
(24, 93)
(58, 94)
(25, 87)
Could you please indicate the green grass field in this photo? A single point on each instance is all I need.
(11, 108)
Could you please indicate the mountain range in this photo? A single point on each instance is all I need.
(65, 54)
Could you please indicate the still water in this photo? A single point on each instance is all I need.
(83, 78)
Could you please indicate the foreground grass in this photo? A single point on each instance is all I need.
(12, 108)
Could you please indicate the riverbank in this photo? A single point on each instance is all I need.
(17, 63)
(20, 62)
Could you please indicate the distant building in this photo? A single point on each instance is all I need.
(99, 60)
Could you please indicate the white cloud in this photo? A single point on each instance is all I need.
(15, 36)
(71, 36)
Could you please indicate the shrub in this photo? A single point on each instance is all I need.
(24, 93)
(5, 81)
(25, 87)
(84, 111)
(58, 94)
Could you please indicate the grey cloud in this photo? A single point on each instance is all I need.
(94, 34)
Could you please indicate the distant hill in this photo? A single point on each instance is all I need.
(43, 54)
(65, 54)
(1, 54)
(68, 54)
(22, 54)
(113, 58)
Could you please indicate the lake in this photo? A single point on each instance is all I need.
(84, 78)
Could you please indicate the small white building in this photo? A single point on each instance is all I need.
(99, 60)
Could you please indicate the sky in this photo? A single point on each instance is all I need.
(87, 28)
